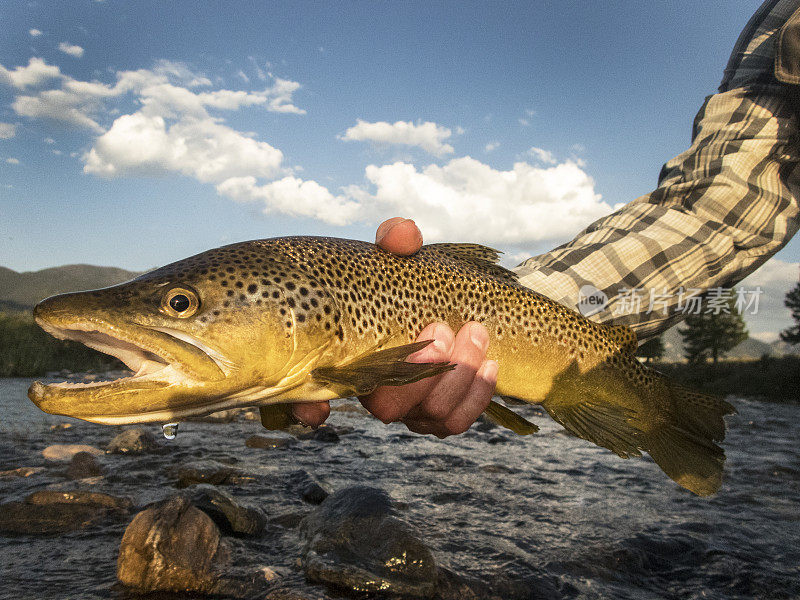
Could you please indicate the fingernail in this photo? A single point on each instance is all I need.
(479, 337)
(489, 370)
(384, 230)
(439, 343)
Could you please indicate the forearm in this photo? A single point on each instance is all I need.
(720, 210)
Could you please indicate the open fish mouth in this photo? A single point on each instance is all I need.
(171, 372)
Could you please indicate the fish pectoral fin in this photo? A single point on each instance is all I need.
(384, 367)
(276, 416)
(505, 417)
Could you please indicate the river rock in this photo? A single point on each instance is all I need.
(21, 472)
(133, 441)
(207, 471)
(231, 515)
(172, 546)
(83, 465)
(80, 498)
(65, 452)
(354, 541)
(307, 486)
(53, 512)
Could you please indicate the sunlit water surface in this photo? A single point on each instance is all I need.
(550, 511)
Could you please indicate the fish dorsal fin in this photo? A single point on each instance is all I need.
(505, 417)
(480, 257)
(383, 367)
(624, 336)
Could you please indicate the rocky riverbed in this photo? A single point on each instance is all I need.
(361, 510)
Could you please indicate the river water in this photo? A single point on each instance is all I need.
(550, 515)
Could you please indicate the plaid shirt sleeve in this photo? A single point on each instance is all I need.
(721, 208)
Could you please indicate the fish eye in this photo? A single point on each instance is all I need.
(180, 302)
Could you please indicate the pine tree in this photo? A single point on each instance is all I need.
(652, 349)
(709, 335)
(792, 302)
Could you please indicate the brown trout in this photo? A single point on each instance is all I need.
(303, 319)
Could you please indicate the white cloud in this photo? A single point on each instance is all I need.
(12, 161)
(543, 156)
(71, 49)
(177, 128)
(34, 32)
(58, 105)
(467, 199)
(491, 146)
(35, 74)
(244, 77)
(7, 131)
(49, 140)
(428, 136)
(524, 122)
(142, 144)
(294, 197)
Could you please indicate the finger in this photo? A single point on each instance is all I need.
(391, 403)
(399, 236)
(469, 352)
(475, 401)
(312, 414)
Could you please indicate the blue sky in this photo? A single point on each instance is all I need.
(136, 133)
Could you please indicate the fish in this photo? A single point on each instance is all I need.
(265, 323)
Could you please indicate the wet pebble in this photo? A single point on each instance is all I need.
(65, 452)
(230, 515)
(133, 441)
(83, 465)
(21, 472)
(307, 486)
(207, 471)
(354, 541)
(48, 512)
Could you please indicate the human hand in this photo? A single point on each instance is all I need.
(444, 405)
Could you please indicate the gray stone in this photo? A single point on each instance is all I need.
(231, 515)
(65, 452)
(174, 546)
(207, 471)
(82, 465)
(133, 441)
(49, 512)
(307, 486)
(354, 541)
(79, 497)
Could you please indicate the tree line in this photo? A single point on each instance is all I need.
(711, 334)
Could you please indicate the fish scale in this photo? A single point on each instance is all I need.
(301, 319)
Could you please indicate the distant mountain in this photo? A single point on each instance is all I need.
(21, 291)
(750, 348)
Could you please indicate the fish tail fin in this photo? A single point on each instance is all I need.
(643, 411)
(684, 445)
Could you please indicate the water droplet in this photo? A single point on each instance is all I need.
(170, 430)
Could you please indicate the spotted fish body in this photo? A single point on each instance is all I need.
(306, 319)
